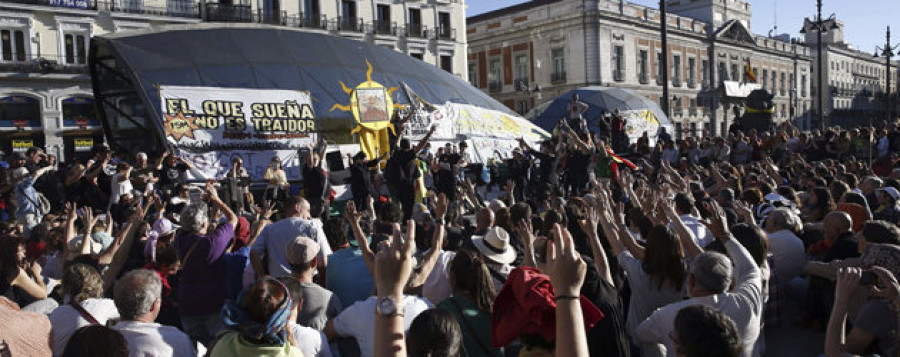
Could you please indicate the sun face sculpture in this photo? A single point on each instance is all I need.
(371, 106)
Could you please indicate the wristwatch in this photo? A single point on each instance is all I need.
(387, 307)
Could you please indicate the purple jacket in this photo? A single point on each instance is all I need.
(203, 288)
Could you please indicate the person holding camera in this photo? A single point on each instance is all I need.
(277, 183)
(237, 183)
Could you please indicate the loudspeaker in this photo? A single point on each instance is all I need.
(335, 161)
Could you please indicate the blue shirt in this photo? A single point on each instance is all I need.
(26, 197)
(273, 240)
(235, 263)
(348, 276)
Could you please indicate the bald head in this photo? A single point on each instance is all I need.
(837, 223)
(484, 218)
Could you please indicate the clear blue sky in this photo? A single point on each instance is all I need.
(864, 20)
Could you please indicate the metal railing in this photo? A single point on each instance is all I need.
(558, 77)
(381, 27)
(495, 86)
(71, 64)
(446, 33)
(228, 13)
(172, 9)
(416, 30)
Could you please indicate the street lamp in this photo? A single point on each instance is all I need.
(820, 26)
(888, 52)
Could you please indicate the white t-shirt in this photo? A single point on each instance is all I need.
(65, 320)
(152, 339)
(119, 188)
(358, 320)
(311, 341)
(790, 254)
(437, 286)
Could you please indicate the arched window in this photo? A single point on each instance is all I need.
(18, 111)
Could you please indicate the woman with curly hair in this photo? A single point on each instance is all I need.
(84, 305)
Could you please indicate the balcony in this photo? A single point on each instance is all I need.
(173, 9)
(381, 27)
(262, 17)
(45, 64)
(692, 111)
(495, 87)
(676, 82)
(351, 24)
(643, 78)
(558, 77)
(446, 33)
(692, 83)
(416, 30)
(216, 12)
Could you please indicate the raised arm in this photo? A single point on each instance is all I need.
(424, 141)
(437, 242)
(685, 235)
(589, 226)
(566, 270)
(352, 217)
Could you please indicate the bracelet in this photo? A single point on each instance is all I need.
(439, 222)
(566, 297)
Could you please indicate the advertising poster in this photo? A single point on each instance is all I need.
(212, 125)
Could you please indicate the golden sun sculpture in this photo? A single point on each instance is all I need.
(371, 106)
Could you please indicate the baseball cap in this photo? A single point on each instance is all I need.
(301, 250)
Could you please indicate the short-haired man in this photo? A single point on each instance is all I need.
(708, 284)
(274, 238)
(137, 296)
(702, 331)
(319, 304)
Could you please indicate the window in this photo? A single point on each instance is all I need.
(414, 23)
(676, 70)
(659, 68)
(383, 19)
(418, 56)
(271, 10)
(13, 45)
(803, 86)
(678, 131)
(522, 69)
(692, 107)
(447, 63)
(704, 72)
(693, 129)
(473, 74)
(313, 15)
(781, 84)
(642, 66)
(522, 107)
(445, 31)
(348, 15)
(494, 73)
(559, 65)
(765, 79)
(723, 72)
(618, 61)
(75, 48)
(735, 73)
(692, 72)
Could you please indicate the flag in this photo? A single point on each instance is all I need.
(618, 159)
(415, 101)
(748, 72)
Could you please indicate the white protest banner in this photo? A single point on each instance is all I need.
(210, 126)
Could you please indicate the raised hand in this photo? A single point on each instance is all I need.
(350, 214)
(891, 289)
(564, 266)
(71, 211)
(440, 206)
(393, 263)
(717, 221)
(269, 210)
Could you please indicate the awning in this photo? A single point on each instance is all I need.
(739, 90)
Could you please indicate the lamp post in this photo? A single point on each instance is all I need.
(888, 52)
(663, 29)
(820, 26)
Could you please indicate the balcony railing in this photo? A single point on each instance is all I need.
(446, 33)
(352, 24)
(676, 82)
(692, 83)
(264, 17)
(557, 77)
(618, 75)
(381, 27)
(45, 64)
(416, 30)
(692, 111)
(643, 78)
(228, 13)
(495, 87)
(173, 9)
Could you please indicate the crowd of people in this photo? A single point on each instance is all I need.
(688, 247)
